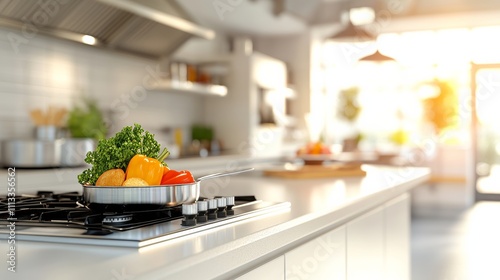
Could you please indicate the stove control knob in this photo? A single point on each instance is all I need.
(202, 205)
(221, 202)
(230, 204)
(212, 208)
(230, 200)
(221, 207)
(212, 203)
(202, 211)
(189, 211)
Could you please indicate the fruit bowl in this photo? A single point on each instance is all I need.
(314, 153)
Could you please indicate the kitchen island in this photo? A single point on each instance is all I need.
(336, 228)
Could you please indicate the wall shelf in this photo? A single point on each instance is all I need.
(190, 87)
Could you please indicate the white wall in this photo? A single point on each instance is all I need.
(44, 71)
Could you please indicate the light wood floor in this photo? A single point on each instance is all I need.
(457, 245)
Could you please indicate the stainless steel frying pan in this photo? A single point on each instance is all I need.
(163, 195)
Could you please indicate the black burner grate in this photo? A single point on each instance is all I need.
(49, 209)
(63, 210)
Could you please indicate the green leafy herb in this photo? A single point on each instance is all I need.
(116, 152)
(87, 121)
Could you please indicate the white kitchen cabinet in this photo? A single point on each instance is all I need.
(372, 246)
(365, 246)
(272, 270)
(397, 238)
(378, 243)
(320, 258)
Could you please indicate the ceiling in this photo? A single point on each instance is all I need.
(245, 16)
(281, 17)
(156, 28)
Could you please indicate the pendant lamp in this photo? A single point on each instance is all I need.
(377, 57)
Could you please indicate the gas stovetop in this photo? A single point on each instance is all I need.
(62, 218)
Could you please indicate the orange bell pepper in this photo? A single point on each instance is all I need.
(149, 169)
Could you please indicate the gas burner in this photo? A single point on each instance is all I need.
(104, 224)
(116, 219)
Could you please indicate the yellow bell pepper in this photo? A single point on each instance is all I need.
(149, 169)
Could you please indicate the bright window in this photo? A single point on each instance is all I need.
(391, 93)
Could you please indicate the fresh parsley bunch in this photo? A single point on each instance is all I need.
(116, 152)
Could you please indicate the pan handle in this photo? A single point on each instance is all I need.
(220, 174)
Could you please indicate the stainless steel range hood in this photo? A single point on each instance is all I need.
(153, 28)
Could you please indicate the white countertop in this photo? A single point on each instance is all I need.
(318, 205)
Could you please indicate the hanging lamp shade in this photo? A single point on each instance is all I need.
(377, 57)
(352, 34)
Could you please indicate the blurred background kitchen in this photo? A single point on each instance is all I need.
(263, 78)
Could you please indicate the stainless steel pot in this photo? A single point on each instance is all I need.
(31, 153)
(38, 153)
(164, 195)
(74, 151)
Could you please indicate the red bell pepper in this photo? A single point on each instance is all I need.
(177, 177)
